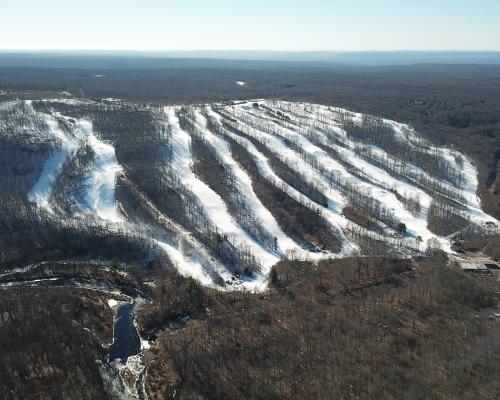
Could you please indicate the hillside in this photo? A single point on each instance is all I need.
(224, 234)
(225, 190)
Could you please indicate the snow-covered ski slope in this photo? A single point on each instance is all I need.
(67, 136)
(366, 181)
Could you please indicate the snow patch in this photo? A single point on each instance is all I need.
(145, 344)
(112, 303)
(185, 264)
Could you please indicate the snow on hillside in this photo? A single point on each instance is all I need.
(267, 173)
(215, 207)
(244, 187)
(373, 186)
(68, 144)
(372, 181)
(70, 135)
(101, 178)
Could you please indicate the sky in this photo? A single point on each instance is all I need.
(286, 25)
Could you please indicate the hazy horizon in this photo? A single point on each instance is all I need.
(243, 51)
(223, 25)
(167, 59)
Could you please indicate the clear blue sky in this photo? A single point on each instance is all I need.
(251, 25)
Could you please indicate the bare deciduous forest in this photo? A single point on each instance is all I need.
(264, 249)
(321, 331)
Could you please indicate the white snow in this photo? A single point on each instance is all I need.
(468, 190)
(212, 203)
(136, 367)
(187, 265)
(244, 185)
(379, 187)
(42, 190)
(112, 303)
(101, 179)
(266, 171)
(145, 344)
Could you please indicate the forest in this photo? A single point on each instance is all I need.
(359, 329)
(455, 105)
(305, 242)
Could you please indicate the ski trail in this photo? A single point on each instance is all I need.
(101, 179)
(187, 266)
(377, 176)
(416, 226)
(188, 255)
(244, 186)
(276, 146)
(334, 219)
(212, 203)
(69, 144)
(468, 190)
(99, 197)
